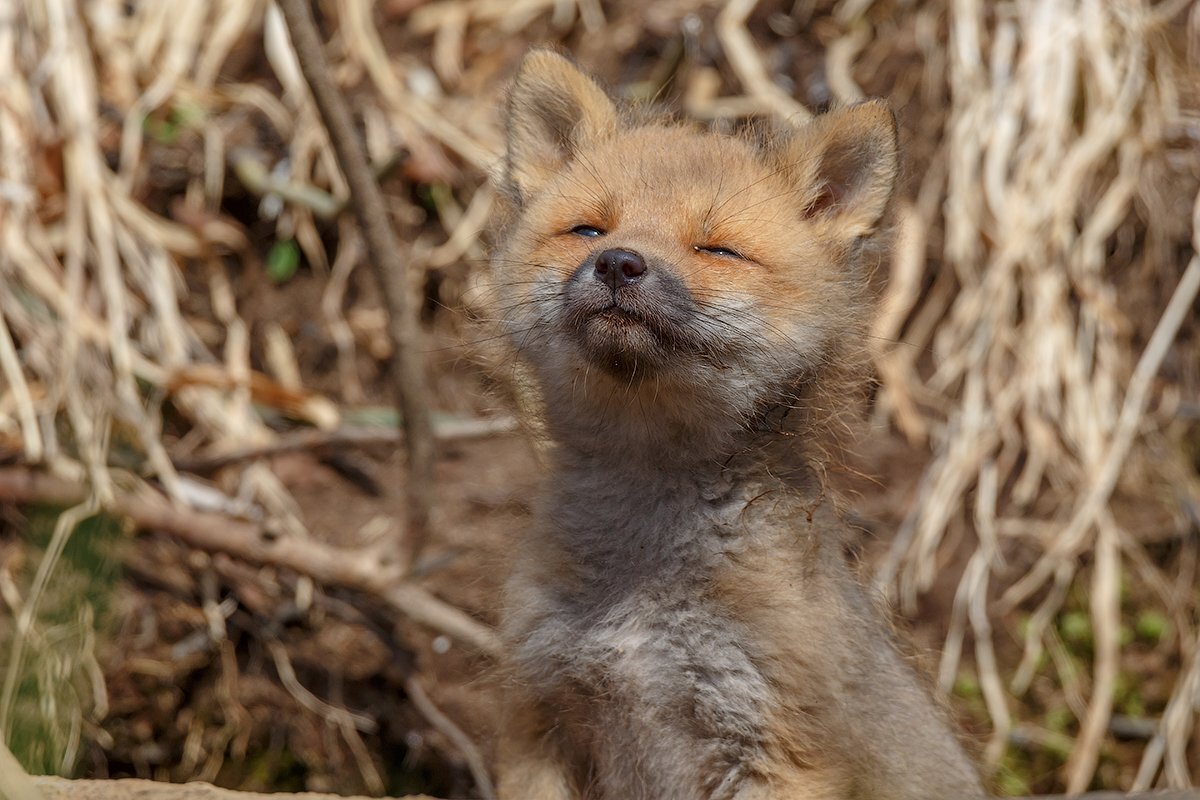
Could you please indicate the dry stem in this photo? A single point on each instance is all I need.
(407, 374)
(443, 724)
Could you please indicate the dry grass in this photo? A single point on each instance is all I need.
(1057, 112)
(1043, 273)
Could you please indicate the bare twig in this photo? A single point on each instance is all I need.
(1106, 622)
(443, 430)
(408, 380)
(346, 721)
(255, 176)
(744, 58)
(335, 714)
(1181, 709)
(444, 725)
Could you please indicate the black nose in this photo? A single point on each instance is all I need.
(620, 267)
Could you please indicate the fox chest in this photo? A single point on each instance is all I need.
(655, 681)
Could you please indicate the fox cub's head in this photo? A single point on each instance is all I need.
(649, 264)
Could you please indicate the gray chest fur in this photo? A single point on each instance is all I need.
(638, 654)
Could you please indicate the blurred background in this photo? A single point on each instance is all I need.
(201, 487)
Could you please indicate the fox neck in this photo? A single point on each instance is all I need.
(671, 427)
(622, 516)
(642, 481)
(768, 446)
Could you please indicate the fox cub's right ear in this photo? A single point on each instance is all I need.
(552, 109)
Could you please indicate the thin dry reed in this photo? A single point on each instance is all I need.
(1058, 114)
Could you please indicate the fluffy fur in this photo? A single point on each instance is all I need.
(682, 620)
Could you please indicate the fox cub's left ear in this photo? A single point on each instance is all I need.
(847, 162)
(553, 108)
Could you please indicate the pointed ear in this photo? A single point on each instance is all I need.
(847, 160)
(552, 109)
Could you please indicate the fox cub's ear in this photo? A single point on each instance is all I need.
(552, 109)
(847, 159)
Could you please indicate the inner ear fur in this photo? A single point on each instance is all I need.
(846, 161)
(553, 108)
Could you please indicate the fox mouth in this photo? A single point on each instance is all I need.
(618, 314)
(618, 327)
(625, 335)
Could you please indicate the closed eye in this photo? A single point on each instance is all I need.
(724, 252)
(589, 231)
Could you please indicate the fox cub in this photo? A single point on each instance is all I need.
(682, 622)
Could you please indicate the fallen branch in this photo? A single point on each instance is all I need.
(254, 175)
(443, 724)
(407, 375)
(366, 570)
(311, 439)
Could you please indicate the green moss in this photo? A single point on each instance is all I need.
(967, 686)
(275, 770)
(1059, 719)
(283, 260)
(1012, 776)
(1075, 628)
(1125, 637)
(165, 129)
(1152, 626)
(54, 680)
(1127, 697)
